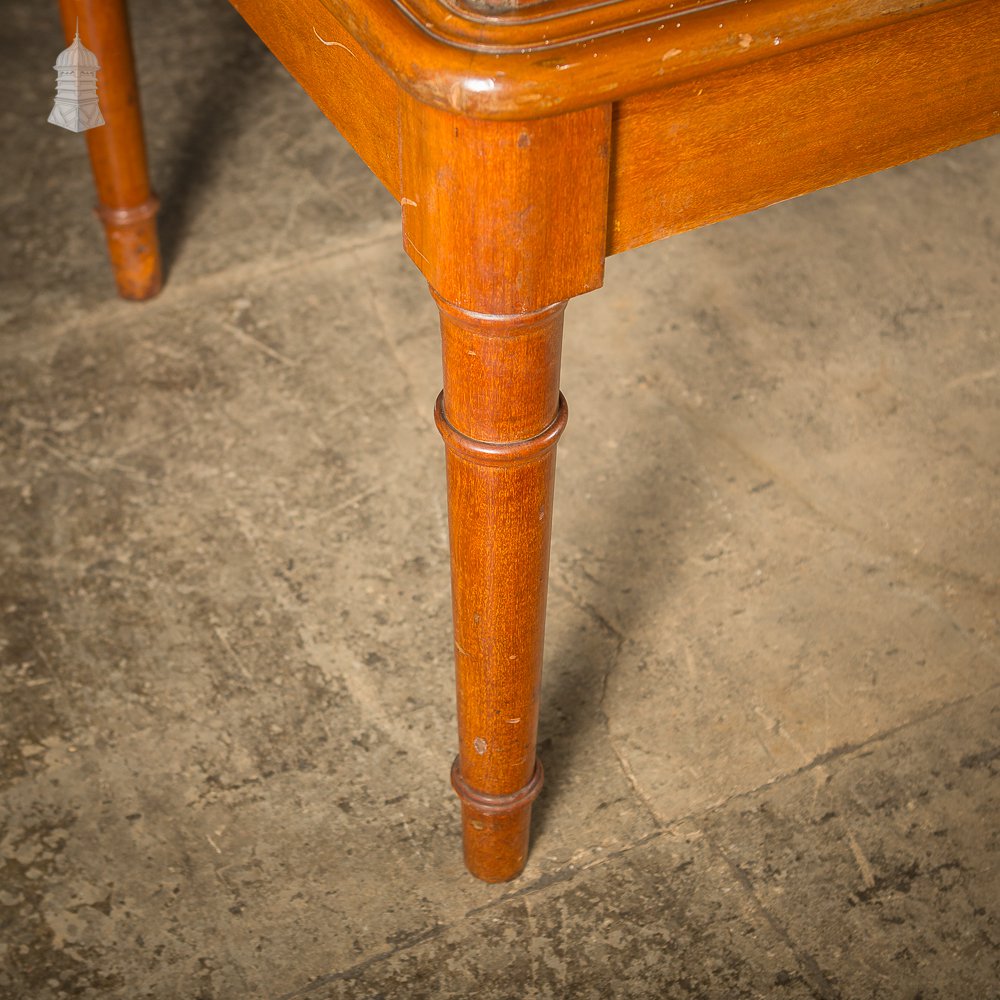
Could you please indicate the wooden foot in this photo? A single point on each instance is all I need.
(500, 415)
(126, 206)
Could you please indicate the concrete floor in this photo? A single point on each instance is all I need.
(771, 712)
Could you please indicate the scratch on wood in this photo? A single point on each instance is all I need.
(338, 45)
(412, 246)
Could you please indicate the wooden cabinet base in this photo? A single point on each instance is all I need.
(523, 146)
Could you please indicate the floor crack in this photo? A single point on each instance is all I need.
(807, 962)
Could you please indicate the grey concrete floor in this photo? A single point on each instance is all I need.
(771, 712)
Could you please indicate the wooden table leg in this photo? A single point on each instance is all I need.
(507, 221)
(500, 415)
(126, 205)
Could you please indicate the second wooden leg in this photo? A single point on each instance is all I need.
(125, 203)
(500, 415)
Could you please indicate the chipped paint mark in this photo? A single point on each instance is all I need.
(480, 86)
(408, 201)
(670, 54)
(335, 45)
(480, 745)
(745, 41)
(514, 722)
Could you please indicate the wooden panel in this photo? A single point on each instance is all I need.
(337, 73)
(736, 141)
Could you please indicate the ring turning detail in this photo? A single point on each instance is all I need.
(497, 452)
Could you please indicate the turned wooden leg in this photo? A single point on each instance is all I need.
(500, 415)
(125, 204)
(507, 220)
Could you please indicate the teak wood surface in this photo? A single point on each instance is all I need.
(526, 140)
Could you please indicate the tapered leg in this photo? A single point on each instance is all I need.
(125, 203)
(507, 220)
(500, 415)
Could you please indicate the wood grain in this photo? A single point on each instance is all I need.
(732, 142)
